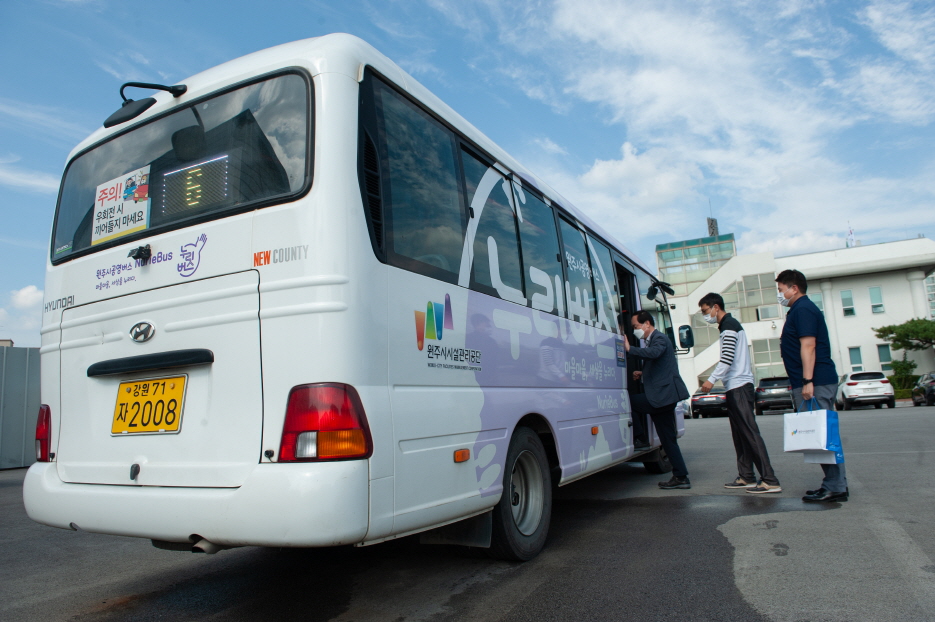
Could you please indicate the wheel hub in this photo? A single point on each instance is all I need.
(526, 488)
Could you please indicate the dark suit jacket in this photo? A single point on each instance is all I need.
(661, 379)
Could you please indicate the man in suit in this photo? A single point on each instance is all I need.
(663, 388)
(635, 385)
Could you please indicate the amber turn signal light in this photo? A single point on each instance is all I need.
(462, 455)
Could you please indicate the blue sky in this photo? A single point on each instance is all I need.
(790, 118)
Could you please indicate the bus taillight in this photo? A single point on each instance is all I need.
(324, 422)
(44, 434)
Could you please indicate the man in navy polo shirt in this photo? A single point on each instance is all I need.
(806, 354)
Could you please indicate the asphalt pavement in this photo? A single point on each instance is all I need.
(619, 548)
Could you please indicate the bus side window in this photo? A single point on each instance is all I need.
(424, 213)
(539, 242)
(496, 266)
(604, 284)
(579, 292)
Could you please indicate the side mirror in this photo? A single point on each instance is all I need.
(129, 110)
(686, 337)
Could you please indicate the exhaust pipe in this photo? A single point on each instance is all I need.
(205, 546)
(201, 546)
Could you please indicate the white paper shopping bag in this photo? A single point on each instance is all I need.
(805, 431)
(811, 430)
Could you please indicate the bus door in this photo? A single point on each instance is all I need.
(628, 305)
(653, 300)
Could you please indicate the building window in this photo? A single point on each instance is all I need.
(689, 263)
(886, 357)
(767, 361)
(705, 334)
(930, 289)
(857, 363)
(769, 312)
(818, 300)
(750, 296)
(876, 299)
(847, 301)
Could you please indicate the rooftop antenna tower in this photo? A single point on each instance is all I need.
(712, 221)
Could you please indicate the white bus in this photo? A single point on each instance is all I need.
(300, 302)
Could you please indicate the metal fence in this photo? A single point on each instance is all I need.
(19, 406)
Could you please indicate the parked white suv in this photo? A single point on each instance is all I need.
(864, 387)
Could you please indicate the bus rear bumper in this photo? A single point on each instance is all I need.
(290, 505)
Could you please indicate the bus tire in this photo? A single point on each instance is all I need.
(657, 462)
(521, 517)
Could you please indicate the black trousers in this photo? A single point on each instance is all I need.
(664, 421)
(748, 444)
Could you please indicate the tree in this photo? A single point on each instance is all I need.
(917, 334)
(902, 373)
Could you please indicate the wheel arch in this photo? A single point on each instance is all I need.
(541, 426)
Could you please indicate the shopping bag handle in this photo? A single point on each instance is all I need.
(809, 401)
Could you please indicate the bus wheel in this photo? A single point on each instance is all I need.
(657, 462)
(521, 518)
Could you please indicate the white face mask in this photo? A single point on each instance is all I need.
(638, 333)
(781, 299)
(710, 319)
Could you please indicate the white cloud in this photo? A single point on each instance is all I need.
(47, 119)
(782, 245)
(26, 298)
(547, 145)
(33, 244)
(126, 66)
(35, 181)
(420, 67)
(741, 101)
(904, 29)
(21, 326)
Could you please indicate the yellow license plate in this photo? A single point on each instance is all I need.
(151, 406)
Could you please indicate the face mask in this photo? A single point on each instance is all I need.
(781, 299)
(710, 319)
(638, 333)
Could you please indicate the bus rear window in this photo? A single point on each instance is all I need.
(245, 147)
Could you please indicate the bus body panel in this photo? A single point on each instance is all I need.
(217, 441)
(464, 369)
(322, 504)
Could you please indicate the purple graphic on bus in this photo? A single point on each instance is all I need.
(573, 368)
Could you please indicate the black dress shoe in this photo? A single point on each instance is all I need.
(827, 496)
(676, 482)
(815, 492)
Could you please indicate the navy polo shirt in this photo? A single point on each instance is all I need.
(806, 320)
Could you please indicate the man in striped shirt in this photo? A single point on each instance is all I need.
(734, 371)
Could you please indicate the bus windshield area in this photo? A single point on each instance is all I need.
(222, 154)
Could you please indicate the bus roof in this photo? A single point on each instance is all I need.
(348, 55)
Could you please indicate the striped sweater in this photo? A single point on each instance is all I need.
(733, 369)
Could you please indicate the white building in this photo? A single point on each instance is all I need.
(858, 289)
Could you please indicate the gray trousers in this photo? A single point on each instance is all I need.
(749, 445)
(835, 478)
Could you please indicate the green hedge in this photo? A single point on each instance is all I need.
(905, 385)
(903, 394)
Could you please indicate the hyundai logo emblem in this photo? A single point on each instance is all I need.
(142, 332)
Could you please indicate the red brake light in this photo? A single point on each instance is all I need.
(852, 384)
(44, 434)
(885, 381)
(324, 422)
